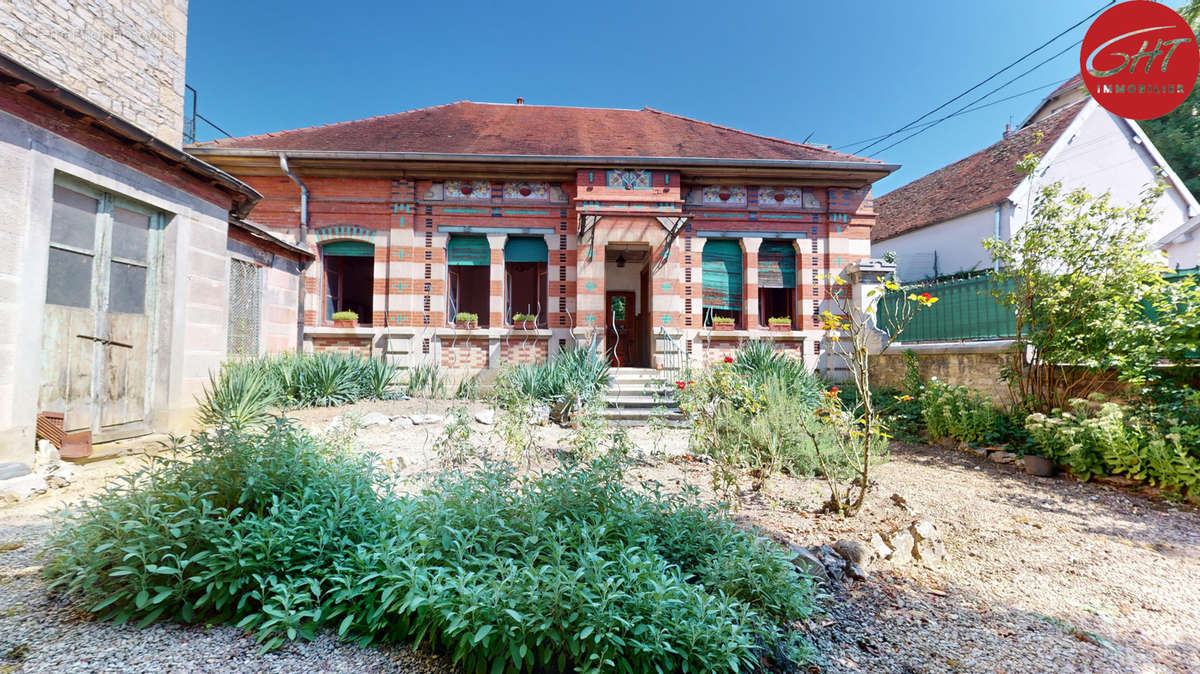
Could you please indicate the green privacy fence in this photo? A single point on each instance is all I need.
(965, 310)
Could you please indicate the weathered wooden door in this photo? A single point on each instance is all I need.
(96, 323)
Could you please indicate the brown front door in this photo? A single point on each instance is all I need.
(620, 336)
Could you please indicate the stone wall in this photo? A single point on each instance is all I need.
(976, 365)
(127, 56)
(524, 350)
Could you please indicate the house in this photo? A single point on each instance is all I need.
(116, 243)
(936, 225)
(639, 229)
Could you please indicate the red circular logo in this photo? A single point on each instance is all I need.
(1139, 59)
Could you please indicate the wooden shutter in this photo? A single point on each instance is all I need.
(722, 274)
(468, 251)
(776, 265)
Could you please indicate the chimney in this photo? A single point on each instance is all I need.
(1007, 130)
(520, 101)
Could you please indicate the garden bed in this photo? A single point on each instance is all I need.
(1042, 575)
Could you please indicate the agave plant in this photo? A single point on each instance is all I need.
(328, 379)
(240, 398)
(378, 377)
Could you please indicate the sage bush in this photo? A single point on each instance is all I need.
(281, 535)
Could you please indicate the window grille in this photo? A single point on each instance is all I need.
(245, 308)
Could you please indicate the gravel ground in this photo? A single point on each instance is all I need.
(1044, 575)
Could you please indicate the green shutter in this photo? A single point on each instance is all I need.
(722, 275)
(468, 251)
(776, 265)
(526, 249)
(349, 248)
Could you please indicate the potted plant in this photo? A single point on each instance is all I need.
(1036, 464)
(723, 323)
(524, 321)
(345, 319)
(780, 323)
(466, 320)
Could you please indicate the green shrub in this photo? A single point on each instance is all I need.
(958, 412)
(565, 571)
(1099, 438)
(780, 320)
(345, 316)
(426, 380)
(722, 320)
(380, 378)
(575, 378)
(240, 397)
(466, 317)
(762, 363)
(524, 318)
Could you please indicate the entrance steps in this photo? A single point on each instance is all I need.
(636, 395)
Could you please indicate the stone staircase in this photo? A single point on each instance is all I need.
(637, 394)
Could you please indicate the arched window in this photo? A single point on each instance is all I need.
(722, 277)
(776, 281)
(349, 278)
(468, 277)
(525, 280)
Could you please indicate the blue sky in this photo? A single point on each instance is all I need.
(840, 71)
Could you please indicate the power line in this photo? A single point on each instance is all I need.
(942, 119)
(968, 110)
(987, 79)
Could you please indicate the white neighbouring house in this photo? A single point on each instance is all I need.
(937, 224)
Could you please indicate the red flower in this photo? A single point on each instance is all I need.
(681, 385)
(925, 296)
(834, 389)
(728, 359)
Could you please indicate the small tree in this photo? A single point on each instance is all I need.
(851, 334)
(1085, 290)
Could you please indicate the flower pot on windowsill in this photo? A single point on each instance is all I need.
(723, 327)
(1038, 465)
(780, 327)
(345, 323)
(467, 325)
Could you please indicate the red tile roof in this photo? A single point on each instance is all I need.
(983, 179)
(537, 130)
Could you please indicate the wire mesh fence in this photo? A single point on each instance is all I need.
(965, 310)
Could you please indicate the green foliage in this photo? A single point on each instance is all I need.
(468, 388)
(345, 316)
(722, 320)
(524, 318)
(780, 320)
(466, 317)
(574, 379)
(958, 412)
(1086, 290)
(1098, 438)
(455, 446)
(565, 571)
(426, 380)
(246, 390)
(760, 362)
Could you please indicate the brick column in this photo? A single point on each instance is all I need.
(750, 281)
(496, 317)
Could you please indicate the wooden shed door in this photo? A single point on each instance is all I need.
(96, 325)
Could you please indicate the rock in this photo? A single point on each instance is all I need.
(835, 564)
(981, 452)
(425, 419)
(855, 552)
(21, 488)
(11, 469)
(46, 458)
(900, 501)
(539, 414)
(879, 547)
(56, 482)
(928, 546)
(374, 419)
(1002, 457)
(856, 572)
(334, 423)
(402, 422)
(901, 541)
(809, 564)
(486, 417)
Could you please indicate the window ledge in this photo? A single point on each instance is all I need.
(489, 333)
(330, 331)
(789, 336)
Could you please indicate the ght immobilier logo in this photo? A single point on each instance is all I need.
(1139, 59)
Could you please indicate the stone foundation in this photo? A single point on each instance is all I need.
(976, 365)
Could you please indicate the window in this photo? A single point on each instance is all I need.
(526, 279)
(721, 272)
(349, 278)
(776, 281)
(468, 277)
(245, 308)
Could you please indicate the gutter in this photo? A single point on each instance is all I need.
(300, 292)
(574, 160)
(51, 91)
